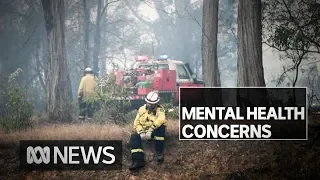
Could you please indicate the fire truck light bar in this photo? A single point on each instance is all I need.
(163, 57)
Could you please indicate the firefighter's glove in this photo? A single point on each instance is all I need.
(149, 133)
(143, 136)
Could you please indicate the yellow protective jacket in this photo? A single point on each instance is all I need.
(145, 120)
(87, 87)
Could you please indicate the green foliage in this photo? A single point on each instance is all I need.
(282, 37)
(18, 110)
(111, 102)
(170, 110)
(113, 106)
(292, 25)
(285, 38)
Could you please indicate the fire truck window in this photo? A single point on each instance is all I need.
(163, 66)
(182, 72)
(145, 66)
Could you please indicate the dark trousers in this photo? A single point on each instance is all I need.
(158, 137)
(86, 109)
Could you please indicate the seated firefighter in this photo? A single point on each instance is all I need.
(149, 124)
(86, 90)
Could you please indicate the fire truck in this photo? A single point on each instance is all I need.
(160, 74)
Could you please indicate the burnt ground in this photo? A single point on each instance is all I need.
(199, 160)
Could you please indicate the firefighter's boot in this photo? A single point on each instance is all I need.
(136, 165)
(158, 157)
(137, 161)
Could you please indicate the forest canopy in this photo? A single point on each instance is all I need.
(283, 50)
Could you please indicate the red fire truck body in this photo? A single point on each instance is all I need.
(163, 75)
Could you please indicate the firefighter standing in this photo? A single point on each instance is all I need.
(149, 124)
(86, 91)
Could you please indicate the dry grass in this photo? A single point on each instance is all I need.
(183, 159)
(85, 131)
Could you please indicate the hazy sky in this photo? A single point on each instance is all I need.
(271, 59)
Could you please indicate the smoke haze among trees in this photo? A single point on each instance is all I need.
(99, 33)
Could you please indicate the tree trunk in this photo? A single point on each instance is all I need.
(86, 33)
(210, 69)
(104, 37)
(97, 42)
(250, 68)
(102, 61)
(58, 83)
(39, 69)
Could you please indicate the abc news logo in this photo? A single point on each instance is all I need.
(68, 154)
(72, 155)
